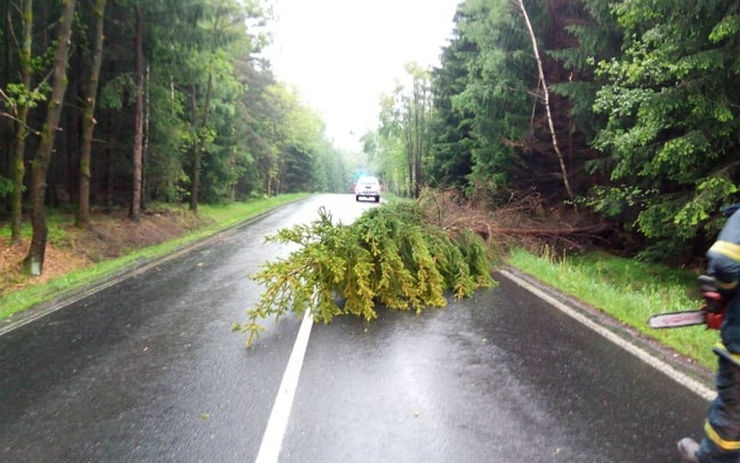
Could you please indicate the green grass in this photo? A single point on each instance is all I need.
(392, 197)
(222, 216)
(628, 290)
(55, 222)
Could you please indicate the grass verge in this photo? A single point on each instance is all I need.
(393, 198)
(628, 290)
(220, 217)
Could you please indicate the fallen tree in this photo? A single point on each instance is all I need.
(391, 255)
(516, 220)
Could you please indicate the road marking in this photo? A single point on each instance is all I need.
(25, 317)
(272, 440)
(683, 379)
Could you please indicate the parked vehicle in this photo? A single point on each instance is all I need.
(367, 187)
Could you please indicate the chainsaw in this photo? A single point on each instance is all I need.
(710, 313)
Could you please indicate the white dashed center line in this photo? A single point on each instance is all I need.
(272, 440)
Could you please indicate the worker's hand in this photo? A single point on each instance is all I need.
(714, 319)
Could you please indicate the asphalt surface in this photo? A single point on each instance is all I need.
(148, 371)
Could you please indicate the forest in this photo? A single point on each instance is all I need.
(621, 112)
(122, 103)
(624, 112)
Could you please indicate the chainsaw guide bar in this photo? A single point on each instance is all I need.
(676, 319)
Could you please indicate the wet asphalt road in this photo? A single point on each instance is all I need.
(148, 371)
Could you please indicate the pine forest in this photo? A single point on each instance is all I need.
(622, 113)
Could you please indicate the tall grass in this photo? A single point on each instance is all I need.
(628, 290)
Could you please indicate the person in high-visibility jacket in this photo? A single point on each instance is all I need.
(721, 443)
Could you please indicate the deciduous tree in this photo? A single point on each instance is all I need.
(88, 115)
(35, 258)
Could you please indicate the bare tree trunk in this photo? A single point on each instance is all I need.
(35, 259)
(546, 94)
(110, 149)
(109, 170)
(145, 147)
(8, 21)
(410, 158)
(135, 206)
(21, 131)
(201, 146)
(417, 137)
(420, 123)
(88, 117)
(45, 20)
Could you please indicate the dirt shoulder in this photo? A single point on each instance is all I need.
(106, 237)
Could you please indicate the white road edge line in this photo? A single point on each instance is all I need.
(272, 440)
(681, 378)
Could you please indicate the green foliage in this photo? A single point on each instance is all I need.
(18, 95)
(6, 186)
(501, 73)
(453, 139)
(114, 92)
(671, 125)
(390, 255)
(399, 150)
(644, 95)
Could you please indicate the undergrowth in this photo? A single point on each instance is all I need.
(390, 255)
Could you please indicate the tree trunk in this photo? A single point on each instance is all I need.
(546, 94)
(35, 259)
(145, 147)
(88, 117)
(109, 169)
(21, 131)
(201, 145)
(8, 55)
(409, 159)
(135, 207)
(419, 102)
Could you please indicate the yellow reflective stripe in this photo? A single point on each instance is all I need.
(725, 353)
(729, 285)
(720, 345)
(718, 441)
(727, 249)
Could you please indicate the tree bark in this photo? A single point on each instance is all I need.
(145, 146)
(35, 259)
(409, 157)
(135, 207)
(109, 153)
(21, 131)
(417, 137)
(198, 158)
(88, 117)
(546, 94)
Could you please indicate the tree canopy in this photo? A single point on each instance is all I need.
(166, 101)
(627, 110)
(637, 99)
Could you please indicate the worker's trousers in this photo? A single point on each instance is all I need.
(721, 443)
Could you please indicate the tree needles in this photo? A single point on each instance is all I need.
(389, 256)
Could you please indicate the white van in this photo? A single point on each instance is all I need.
(367, 187)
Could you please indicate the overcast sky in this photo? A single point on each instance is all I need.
(342, 54)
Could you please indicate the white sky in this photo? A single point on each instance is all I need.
(342, 55)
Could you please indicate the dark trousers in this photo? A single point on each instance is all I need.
(722, 441)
